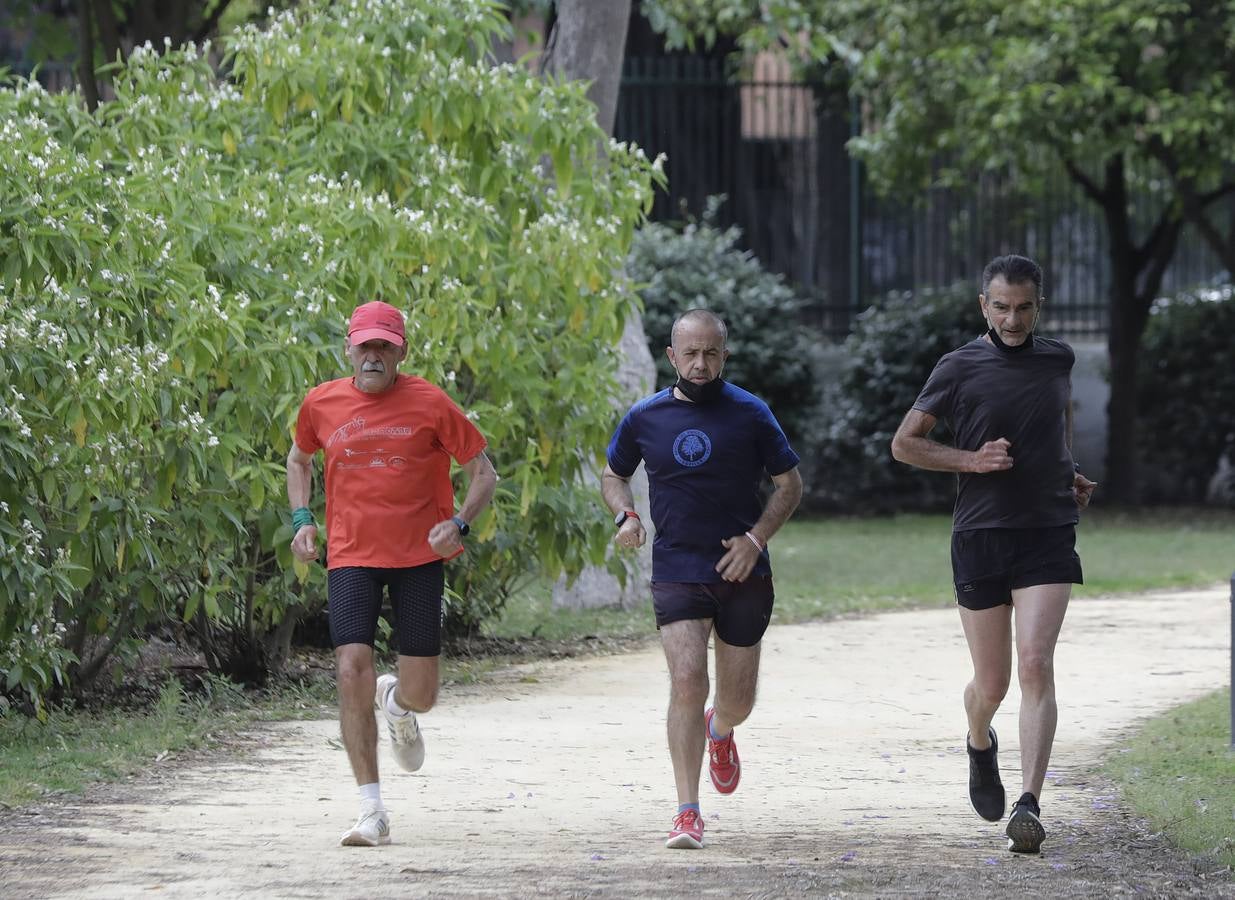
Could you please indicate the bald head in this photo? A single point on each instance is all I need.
(698, 351)
(699, 323)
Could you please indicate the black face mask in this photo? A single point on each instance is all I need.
(700, 393)
(994, 335)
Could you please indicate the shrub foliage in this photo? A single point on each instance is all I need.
(176, 272)
(1187, 384)
(701, 265)
(884, 364)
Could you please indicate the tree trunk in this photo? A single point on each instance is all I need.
(1123, 340)
(85, 47)
(1136, 277)
(588, 44)
(109, 33)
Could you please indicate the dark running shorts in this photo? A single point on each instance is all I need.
(740, 610)
(988, 564)
(354, 596)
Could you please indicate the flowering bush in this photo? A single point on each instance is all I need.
(176, 273)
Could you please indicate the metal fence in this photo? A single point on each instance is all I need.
(776, 149)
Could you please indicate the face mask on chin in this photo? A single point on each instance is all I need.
(700, 393)
(995, 339)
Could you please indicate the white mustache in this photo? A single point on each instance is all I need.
(373, 367)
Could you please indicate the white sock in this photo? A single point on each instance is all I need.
(394, 708)
(372, 791)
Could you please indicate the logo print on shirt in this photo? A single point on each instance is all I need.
(692, 448)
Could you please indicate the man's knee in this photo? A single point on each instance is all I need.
(354, 666)
(1036, 671)
(689, 686)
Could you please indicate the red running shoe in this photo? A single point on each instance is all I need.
(687, 832)
(723, 763)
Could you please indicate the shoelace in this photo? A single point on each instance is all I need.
(687, 820)
(721, 752)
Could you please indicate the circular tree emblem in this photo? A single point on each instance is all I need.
(692, 448)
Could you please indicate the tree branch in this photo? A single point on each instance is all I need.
(1087, 184)
(109, 33)
(1165, 238)
(85, 46)
(212, 22)
(1216, 194)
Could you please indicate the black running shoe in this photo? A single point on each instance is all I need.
(985, 788)
(1025, 831)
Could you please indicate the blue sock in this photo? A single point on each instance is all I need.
(712, 730)
(682, 807)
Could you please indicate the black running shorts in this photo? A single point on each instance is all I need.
(988, 564)
(354, 595)
(739, 610)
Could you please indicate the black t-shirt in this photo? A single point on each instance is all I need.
(985, 393)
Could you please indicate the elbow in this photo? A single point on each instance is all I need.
(898, 448)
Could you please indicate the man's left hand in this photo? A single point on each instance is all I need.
(445, 539)
(1082, 489)
(740, 557)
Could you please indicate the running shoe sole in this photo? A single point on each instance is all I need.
(683, 842)
(1025, 831)
(360, 837)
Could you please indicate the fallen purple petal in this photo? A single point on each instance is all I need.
(597, 856)
(848, 855)
(991, 861)
(1058, 867)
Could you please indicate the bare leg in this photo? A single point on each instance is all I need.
(686, 651)
(989, 635)
(418, 683)
(1039, 615)
(356, 683)
(737, 672)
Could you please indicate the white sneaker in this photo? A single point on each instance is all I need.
(370, 830)
(405, 738)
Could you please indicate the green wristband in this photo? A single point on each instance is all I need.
(301, 516)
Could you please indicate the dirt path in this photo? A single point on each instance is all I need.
(853, 784)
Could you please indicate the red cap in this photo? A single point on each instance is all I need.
(376, 321)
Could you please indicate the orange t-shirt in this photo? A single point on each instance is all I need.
(387, 469)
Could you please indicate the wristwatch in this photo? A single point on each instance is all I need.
(463, 527)
(620, 519)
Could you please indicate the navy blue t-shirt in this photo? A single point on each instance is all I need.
(704, 464)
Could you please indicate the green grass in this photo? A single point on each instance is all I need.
(1179, 772)
(74, 748)
(833, 567)
(830, 567)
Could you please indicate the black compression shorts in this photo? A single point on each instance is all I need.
(355, 599)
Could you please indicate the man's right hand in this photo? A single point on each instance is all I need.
(631, 534)
(992, 457)
(304, 544)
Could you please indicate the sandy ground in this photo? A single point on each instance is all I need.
(558, 784)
